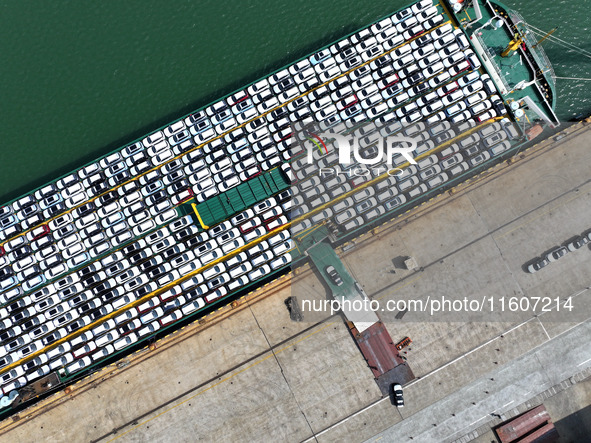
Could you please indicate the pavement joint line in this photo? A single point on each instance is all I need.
(386, 175)
(527, 404)
(543, 213)
(398, 288)
(293, 395)
(227, 132)
(491, 233)
(269, 355)
(466, 186)
(253, 291)
(113, 366)
(145, 297)
(375, 403)
(544, 328)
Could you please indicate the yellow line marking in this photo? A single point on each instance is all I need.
(446, 11)
(254, 242)
(271, 354)
(194, 206)
(227, 132)
(144, 298)
(402, 166)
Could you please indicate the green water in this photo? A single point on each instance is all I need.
(80, 78)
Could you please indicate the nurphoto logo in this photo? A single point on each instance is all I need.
(349, 151)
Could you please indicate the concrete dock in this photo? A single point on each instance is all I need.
(249, 373)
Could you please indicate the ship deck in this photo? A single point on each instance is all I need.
(517, 67)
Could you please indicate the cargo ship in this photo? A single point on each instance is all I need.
(158, 233)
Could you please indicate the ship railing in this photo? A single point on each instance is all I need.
(492, 61)
(537, 52)
(531, 59)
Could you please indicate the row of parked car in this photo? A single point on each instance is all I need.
(558, 252)
(157, 260)
(89, 181)
(78, 188)
(326, 180)
(172, 170)
(196, 129)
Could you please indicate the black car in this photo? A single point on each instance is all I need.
(5, 272)
(74, 326)
(140, 292)
(278, 113)
(175, 176)
(109, 295)
(87, 270)
(22, 252)
(157, 272)
(415, 78)
(99, 188)
(156, 198)
(20, 316)
(28, 325)
(128, 250)
(85, 209)
(93, 279)
(137, 257)
(184, 234)
(126, 328)
(86, 307)
(171, 252)
(109, 197)
(49, 339)
(54, 210)
(121, 177)
(97, 313)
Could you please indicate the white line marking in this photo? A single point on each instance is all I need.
(581, 364)
(368, 407)
(484, 416)
(547, 335)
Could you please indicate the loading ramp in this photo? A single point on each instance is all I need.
(370, 334)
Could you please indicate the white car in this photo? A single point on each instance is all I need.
(103, 352)
(126, 341)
